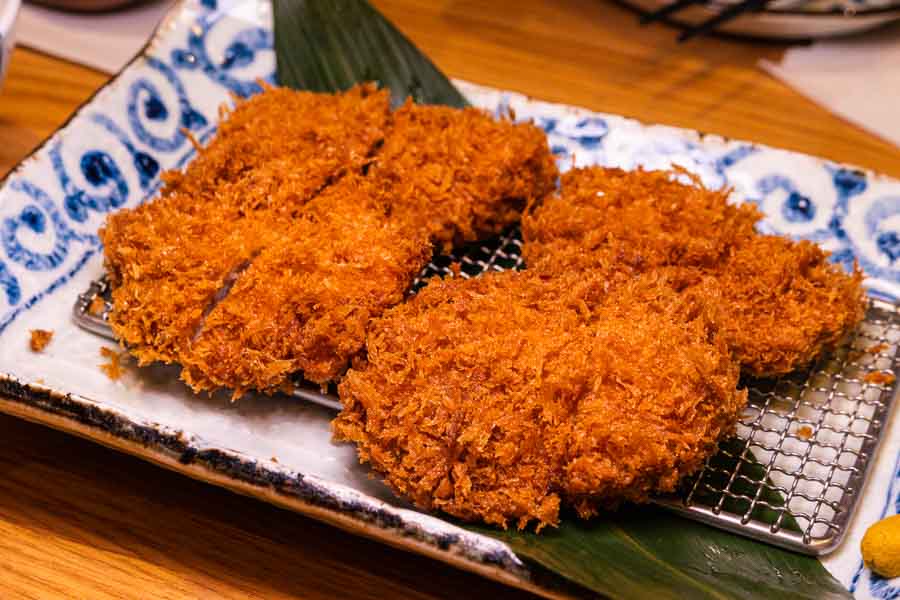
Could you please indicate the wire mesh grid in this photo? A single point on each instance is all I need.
(804, 445)
(794, 471)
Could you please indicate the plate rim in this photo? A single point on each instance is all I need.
(835, 11)
(74, 414)
(158, 31)
(40, 404)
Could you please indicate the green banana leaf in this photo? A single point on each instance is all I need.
(330, 45)
(648, 553)
(752, 482)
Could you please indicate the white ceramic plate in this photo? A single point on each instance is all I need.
(110, 155)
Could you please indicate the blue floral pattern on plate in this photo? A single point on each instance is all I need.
(113, 151)
(117, 153)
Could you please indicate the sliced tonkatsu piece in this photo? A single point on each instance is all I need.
(261, 261)
(780, 303)
(168, 259)
(279, 148)
(648, 218)
(303, 304)
(463, 175)
(502, 398)
(783, 303)
(166, 268)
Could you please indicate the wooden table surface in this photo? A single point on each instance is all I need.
(78, 520)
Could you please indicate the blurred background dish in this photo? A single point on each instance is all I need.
(8, 11)
(786, 19)
(104, 40)
(86, 5)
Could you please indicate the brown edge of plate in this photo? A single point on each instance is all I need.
(78, 416)
(81, 417)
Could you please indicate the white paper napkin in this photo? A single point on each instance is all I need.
(105, 41)
(857, 78)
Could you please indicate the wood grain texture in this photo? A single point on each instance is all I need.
(38, 95)
(81, 521)
(592, 53)
(78, 520)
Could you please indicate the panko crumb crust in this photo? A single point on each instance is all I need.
(168, 258)
(306, 216)
(461, 175)
(304, 302)
(780, 302)
(505, 397)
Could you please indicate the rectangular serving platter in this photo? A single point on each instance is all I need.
(792, 475)
(110, 154)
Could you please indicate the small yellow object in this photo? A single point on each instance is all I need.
(881, 547)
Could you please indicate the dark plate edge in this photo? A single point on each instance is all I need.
(79, 416)
(308, 496)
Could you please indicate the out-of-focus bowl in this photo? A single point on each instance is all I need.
(86, 6)
(8, 11)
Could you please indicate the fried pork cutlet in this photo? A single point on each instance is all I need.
(279, 148)
(462, 175)
(780, 303)
(502, 397)
(166, 267)
(639, 220)
(168, 259)
(271, 253)
(304, 303)
(784, 302)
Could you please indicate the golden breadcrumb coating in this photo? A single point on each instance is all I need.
(783, 303)
(303, 304)
(97, 306)
(269, 255)
(647, 217)
(279, 148)
(462, 175)
(503, 397)
(112, 368)
(166, 266)
(169, 258)
(780, 303)
(39, 339)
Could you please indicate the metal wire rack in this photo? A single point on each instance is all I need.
(794, 472)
